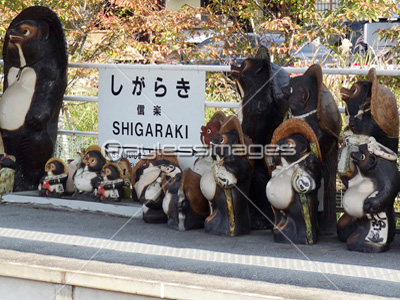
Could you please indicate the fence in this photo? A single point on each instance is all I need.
(324, 5)
(70, 142)
(79, 135)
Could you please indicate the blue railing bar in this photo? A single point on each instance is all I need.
(206, 68)
(78, 133)
(81, 98)
(342, 110)
(346, 71)
(237, 105)
(219, 68)
(222, 104)
(77, 98)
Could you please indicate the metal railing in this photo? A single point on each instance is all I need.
(206, 68)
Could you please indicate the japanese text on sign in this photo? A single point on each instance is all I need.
(147, 108)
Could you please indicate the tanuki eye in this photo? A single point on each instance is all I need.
(363, 156)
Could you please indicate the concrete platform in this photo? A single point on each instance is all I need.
(59, 252)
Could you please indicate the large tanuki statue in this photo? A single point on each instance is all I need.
(228, 186)
(369, 199)
(310, 101)
(35, 78)
(296, 175)
(367, 166)
(263, 109)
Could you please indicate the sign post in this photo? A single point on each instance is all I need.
(145, 109)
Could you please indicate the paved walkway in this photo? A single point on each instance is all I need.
(251, 265)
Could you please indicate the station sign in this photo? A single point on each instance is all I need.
(144, 108)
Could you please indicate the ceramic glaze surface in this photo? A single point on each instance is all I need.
(279, 188)
(353, 200)
(83, 179)
(16, 100)
(208, 185)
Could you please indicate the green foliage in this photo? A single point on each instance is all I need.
(154, 32)
(82, 116)
(219, 88)
(301, 22)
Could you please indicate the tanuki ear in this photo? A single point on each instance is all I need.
(263, 53)
(286, 90)
(44, 30)
(259, 69)
(305, 94)
(372, 160)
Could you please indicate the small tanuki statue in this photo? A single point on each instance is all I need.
(72, 166)
(263, 108)
(53, 184)
(126, 168)
(293, 189)
(183, 203)
(212, 128)
(151, 178)
(227, 188)
(369, 199)
(88, 176)
(7, 171)
(35, 78)
(372, 119)
(310, 101)
(110, 186)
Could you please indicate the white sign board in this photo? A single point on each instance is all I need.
(144, 109)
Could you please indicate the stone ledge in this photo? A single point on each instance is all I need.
(124, 209)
